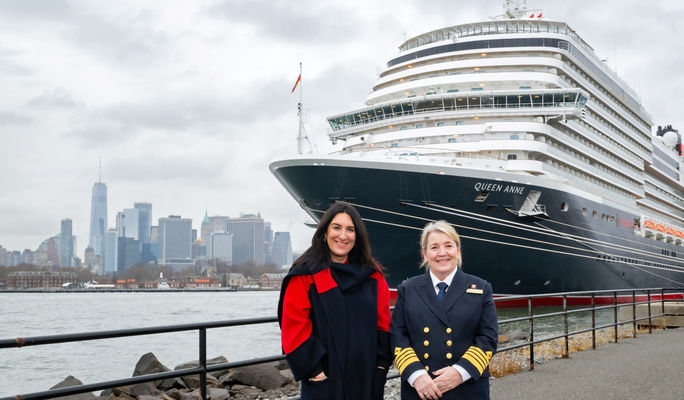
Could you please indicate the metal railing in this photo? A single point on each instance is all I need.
(202, 369)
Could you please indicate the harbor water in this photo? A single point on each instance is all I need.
(38, 368)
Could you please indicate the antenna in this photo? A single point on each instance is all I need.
(99, 176)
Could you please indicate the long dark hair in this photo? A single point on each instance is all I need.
(318, 255)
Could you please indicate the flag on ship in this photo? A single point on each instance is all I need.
(299, 78)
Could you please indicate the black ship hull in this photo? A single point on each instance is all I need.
(579, 243)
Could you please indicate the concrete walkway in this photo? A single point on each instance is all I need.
(648, 367)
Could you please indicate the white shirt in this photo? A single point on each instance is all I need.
(464, 374)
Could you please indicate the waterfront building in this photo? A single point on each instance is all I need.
(175, 241)
(98, 216)
(248, 239)
(66, 253)
(272, 280)
(110, 252)
(3, 256)
(39, 279)
(220, 247)
(282, 249)
(52, 254)
(236, 279)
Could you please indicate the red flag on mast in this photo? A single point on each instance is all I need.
(299, 78)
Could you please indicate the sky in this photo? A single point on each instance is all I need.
(187, 102)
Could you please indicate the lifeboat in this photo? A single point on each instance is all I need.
(649, 224)
(679, 234)
(669, 231)
(660, 228)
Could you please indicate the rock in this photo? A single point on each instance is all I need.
(168, 384)
(149, 364)
(241, 392)
(517, 335)
(193, 381)
(122, 390)
(194, 395)
(217, 394)
(173, 393)
(144, 389)
(287, 374)
(264, 377)
(70, 381)
(503, 339)
(146, 397)
(211, 361)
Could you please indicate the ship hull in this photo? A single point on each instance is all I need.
(574, 246)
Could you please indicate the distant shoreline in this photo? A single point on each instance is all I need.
(59, 290)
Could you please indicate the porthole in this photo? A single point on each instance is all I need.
(547, 283)
(516, 283)
(564, 206)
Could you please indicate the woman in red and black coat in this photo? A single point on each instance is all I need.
(334, 313)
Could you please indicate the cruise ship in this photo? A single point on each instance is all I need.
(519, 135)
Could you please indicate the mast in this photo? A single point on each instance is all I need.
(301, 135)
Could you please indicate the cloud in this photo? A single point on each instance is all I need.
(34, 9)
(12, 118)
(288, 21)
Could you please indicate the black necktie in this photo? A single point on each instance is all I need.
(442, 290)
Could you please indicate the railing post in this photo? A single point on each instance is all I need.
(565, 326)
(634, 322)
(203, 362)
(650, 324)
(615, 316)
(529, 315)
(662, 298)
(593, 321)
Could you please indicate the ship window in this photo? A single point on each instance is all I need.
(491, 209)
(452, 140)
(403, 128)
(512, 156)
(452, 90)
(394, 145)
(594, 214)
(564, 206)
(420, 125)
(514, 137)
(440, 124)
(525, 87)
(482, 196)
(477, 89)
(584, 211)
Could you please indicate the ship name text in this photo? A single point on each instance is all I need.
(497, 187)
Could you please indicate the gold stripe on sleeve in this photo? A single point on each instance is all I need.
(404, 358)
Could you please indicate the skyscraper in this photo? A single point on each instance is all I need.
(282, 249)
(144, 221)
(111, 251)
(268, 243)
(175, 241)
(98, 216)
(66, 248)
(248, 239)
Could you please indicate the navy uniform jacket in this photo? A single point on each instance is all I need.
(429, 334)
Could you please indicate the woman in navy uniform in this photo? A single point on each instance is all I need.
(334, 313)
(444, 326)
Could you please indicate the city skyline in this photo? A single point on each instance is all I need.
(186, 103)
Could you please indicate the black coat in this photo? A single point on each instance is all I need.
(461, 329)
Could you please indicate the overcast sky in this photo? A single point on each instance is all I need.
(187, 102)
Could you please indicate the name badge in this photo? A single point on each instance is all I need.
(474, 291)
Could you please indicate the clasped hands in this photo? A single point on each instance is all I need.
(446, 379)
